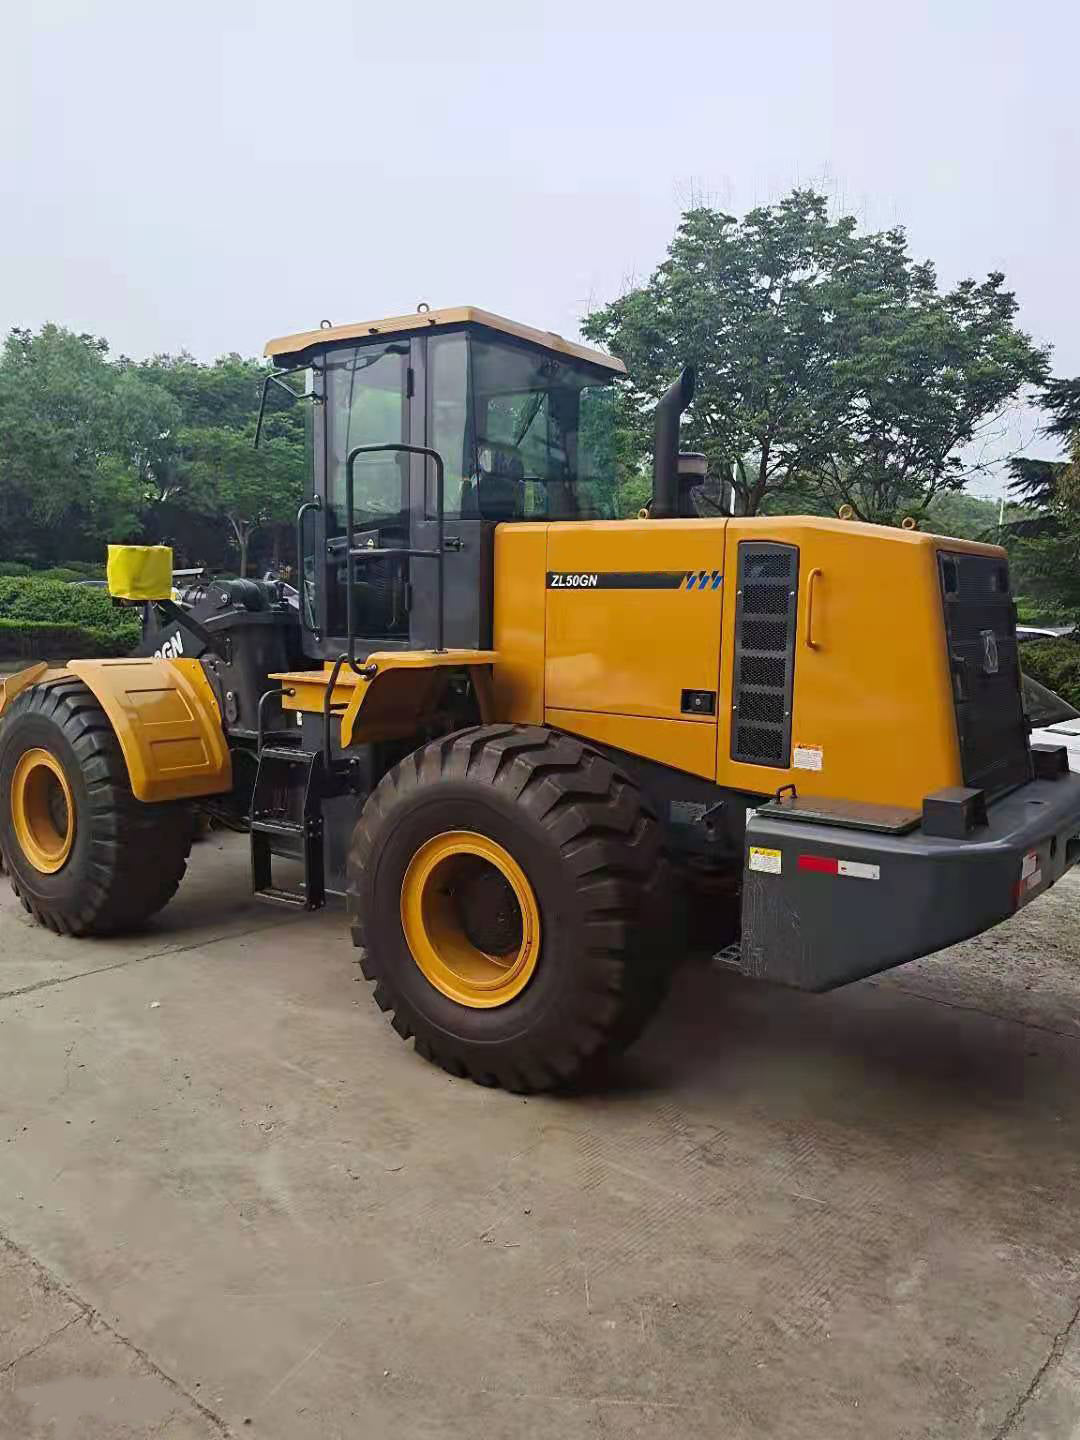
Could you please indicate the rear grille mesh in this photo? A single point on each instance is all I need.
(762, 670)
(980, 626)
(765, 612)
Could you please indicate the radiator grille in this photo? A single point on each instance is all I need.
(765, 612)
(980, 625)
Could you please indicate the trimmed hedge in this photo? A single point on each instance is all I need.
(61, 573)
(1055, 664)
(67, 572)
(55, 620)
(62, 604)
(39, 640)
(85, 569)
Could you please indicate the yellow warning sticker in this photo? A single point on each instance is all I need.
(768, 861)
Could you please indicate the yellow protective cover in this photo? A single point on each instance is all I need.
(140, 572)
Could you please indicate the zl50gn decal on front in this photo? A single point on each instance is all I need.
(633, 579)
(573, 580)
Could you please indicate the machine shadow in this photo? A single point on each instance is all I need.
(870, 1043)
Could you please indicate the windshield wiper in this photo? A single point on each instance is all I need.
(530, 415)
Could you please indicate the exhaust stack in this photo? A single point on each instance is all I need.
(665, 496)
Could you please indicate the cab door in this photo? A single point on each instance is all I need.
(366, 392)
(442, 419)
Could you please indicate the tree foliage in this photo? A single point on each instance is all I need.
(1055, 664)
(1044, 541)
(829, 363)
(1061, 401)
(93, 450)
(248, 488)
(74, 434)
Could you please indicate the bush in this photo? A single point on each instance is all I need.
(56, 603)
(86, 569)
(13, 567)
(60, 573)
(1032, 612)
(50, 619)
(41, 640)
(1055, 664)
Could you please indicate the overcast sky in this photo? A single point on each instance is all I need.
(205, 174)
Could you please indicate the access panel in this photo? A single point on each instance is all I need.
(633, 616)
(841, 688)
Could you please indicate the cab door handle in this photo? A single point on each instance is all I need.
(808, 634)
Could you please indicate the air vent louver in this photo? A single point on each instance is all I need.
(765, 612)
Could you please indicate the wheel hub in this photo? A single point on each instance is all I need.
(42, 810)
(470, 919)
(490, 915)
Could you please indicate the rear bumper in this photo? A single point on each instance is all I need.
(824, 904)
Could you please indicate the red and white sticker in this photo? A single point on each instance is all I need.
(831, 865)
(1030, 873)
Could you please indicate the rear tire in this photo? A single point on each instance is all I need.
(576, 830)
(96, 861)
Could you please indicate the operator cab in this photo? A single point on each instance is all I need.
(524, 422)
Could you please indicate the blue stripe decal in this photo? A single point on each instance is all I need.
(702, 579)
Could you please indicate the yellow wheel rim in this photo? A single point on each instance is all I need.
(42, 810)
(470, 919)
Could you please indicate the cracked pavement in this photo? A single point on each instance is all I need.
(233, 1203)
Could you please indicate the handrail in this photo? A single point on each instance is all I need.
(815, 574)
(352, 554)
(328, 698)
(260, 729)
(301, 583)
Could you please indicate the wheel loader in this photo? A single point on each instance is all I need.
(540, 750)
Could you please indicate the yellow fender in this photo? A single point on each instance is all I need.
(391, 701)
(165, 717)
(16, 683)
(405, 686)
(168, 724)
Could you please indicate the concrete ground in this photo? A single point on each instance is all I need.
(233, 1203)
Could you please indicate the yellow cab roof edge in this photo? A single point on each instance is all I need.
(287, 346)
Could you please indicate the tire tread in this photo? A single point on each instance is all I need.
(138, 852)
(609, 842)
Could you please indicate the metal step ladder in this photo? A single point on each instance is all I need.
(282, 771)
(729, 958)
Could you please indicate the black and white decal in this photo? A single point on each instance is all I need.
(616, 579)
(171, 648)
(573, 580)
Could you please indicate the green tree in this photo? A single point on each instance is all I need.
(219, 404)
(1044, 542)
(248, 488)
(93, 450)
(1037, 482)
(75, 434)
(224, 395)
(970, 517)
(828, 361)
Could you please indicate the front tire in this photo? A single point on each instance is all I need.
(83, 855)
(504, 885)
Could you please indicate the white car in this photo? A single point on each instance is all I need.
(1040, 632)
(1053, 720)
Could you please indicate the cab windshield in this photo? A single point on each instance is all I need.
(524, 434)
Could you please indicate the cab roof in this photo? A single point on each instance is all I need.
(288, 348)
